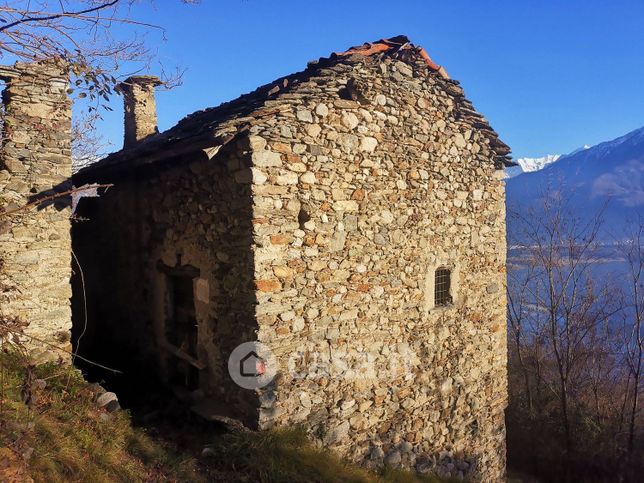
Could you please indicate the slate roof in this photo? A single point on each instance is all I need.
(216, 126)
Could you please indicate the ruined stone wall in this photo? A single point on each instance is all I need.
(199, 214)
(356, 203)
(35, 245)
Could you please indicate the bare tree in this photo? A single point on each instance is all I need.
(83, 34)
(561, 316)
(633, 327)
(520, 303)
(563, 248)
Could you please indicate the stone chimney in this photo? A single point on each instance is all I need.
(35, 244)
(140, 108)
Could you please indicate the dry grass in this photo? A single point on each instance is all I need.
(61, 436)
(287, 455)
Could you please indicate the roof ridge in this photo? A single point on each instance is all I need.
(392, 45)
(222, 120)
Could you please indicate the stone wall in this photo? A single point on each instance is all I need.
(198, 214)
(368, 184)
(35, 245)
(316, 219)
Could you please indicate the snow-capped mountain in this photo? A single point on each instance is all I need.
(529, 165)
(578, 150)
(589, 177)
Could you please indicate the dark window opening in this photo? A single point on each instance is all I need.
(442, 287)
(302, 218)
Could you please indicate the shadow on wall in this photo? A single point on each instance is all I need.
(168, 278)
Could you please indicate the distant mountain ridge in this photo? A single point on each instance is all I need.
(529, 165)
(612, 171)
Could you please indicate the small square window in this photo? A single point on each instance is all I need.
(442, 287)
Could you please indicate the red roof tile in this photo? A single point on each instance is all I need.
(395, 43)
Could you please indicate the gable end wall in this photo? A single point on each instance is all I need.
(357, 202)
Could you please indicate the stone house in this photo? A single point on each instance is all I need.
(351, 219)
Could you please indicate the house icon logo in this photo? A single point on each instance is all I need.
(252, 365)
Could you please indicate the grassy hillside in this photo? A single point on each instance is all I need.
(53, 431)
(61, 435)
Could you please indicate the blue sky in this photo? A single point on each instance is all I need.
(549, 75)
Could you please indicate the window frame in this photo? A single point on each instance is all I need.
(443, 295)
(429, 298)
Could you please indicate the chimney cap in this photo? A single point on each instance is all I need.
(142, 80)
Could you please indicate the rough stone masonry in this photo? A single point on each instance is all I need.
(351, 218)
(35, 244)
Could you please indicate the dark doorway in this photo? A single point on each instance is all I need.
(181, 330)
(181, 336)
